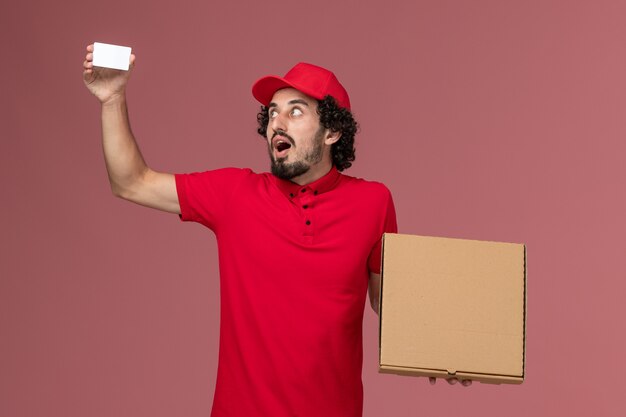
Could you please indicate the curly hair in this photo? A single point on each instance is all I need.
(333, 117)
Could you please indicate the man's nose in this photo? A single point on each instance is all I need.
(278, 123)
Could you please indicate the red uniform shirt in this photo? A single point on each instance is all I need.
(294, 264)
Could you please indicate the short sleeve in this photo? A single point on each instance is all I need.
(204, 196)
(389, 225)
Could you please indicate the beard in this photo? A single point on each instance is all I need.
(286, 170)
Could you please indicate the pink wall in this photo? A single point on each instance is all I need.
(492, 120)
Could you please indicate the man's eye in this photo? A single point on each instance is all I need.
(296, 112)
(273, 114)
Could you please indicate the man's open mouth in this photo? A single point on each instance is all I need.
(281, 145)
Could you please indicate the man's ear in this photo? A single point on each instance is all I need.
(332, 137)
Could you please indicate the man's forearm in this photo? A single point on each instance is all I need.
(374, 291)
(122, 156)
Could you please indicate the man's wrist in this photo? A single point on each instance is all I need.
(115, 100)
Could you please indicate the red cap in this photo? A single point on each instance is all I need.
(312, 80)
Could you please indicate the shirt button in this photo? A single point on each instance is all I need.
(291, 195)
(303, 190)
(308, 222)
(305, 206)
(315, 192)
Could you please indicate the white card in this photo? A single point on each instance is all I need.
(111, 56)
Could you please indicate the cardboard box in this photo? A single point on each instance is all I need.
(453, 308)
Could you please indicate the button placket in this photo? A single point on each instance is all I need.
(306, 200)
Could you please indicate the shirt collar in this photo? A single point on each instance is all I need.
(319, 186)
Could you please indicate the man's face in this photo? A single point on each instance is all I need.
(295, 136)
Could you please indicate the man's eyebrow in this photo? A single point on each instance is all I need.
(298, 101)
(294, 101)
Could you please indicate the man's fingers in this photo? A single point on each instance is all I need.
(90, 48)
(451, 381)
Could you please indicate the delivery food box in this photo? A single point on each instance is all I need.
(453, 308)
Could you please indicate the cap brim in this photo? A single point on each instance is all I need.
(263, 90)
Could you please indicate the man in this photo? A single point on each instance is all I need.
(297, 247)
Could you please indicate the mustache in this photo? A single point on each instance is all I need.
(285, 135)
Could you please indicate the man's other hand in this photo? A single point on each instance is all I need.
(452, 381)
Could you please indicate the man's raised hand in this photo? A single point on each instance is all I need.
(105, 83)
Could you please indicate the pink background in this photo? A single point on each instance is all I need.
(494, 120)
